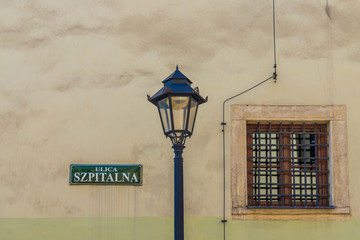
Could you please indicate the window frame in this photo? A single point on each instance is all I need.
(332, 115)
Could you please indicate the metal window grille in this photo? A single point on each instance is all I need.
(287, 165)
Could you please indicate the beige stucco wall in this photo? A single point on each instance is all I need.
(75, 74)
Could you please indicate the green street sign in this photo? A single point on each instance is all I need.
(105, 174)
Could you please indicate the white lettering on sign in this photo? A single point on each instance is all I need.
(109, 178)
(126, 176)
(77, 177)
(104, 177)
(83, 177)
(91, 175)
(133, 178)
(105, 169)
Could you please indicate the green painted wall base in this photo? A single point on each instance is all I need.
(157, 228)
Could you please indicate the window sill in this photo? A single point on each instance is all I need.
(245, 213)
(287, 207)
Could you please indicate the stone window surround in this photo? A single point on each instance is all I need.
(333, 115)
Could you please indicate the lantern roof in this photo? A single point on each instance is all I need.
(177, 84)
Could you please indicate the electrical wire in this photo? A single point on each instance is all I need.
(274, 36)
(274, 76)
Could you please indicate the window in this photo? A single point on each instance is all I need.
(287, 165)
(289, 162)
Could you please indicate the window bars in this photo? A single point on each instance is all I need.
(287, 165)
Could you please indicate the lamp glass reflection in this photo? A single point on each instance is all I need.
(164, 109)
(193, 108)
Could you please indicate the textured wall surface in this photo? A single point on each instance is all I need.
(73, 82)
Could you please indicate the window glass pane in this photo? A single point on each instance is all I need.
(193, 108)
(180, 107)
(265, 168)
(164, 109)
(305, 147)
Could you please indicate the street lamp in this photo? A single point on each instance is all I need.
(177, 103)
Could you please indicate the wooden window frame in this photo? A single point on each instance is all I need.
(332, 115)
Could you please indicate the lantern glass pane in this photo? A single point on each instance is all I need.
(164, 109)
(180, 108)
(193, 109)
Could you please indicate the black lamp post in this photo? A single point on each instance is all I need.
(177, 103)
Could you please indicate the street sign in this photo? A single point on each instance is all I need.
(105, 174)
